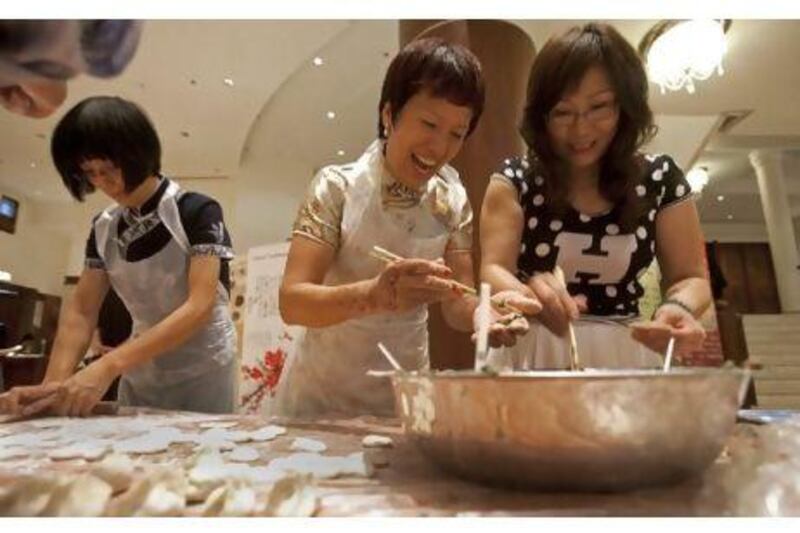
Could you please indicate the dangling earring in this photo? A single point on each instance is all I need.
(385, 132)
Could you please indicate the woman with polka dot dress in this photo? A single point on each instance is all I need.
(584, 198)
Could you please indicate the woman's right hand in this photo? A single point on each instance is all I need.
(559, 308)
(28, 399)
(409, 283)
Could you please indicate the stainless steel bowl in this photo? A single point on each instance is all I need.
(603, 430)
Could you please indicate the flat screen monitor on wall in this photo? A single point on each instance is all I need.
(9, 208)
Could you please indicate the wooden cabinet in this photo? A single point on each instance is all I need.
(751, 290)
(32, 317)
(748, 269)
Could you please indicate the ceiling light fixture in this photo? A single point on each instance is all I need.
(678, 52)
(340, 153)
(228, 82)
(730, 217)
(720, 198)
(331, 115)
(318, 61)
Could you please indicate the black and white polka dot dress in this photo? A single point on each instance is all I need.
(598, 260)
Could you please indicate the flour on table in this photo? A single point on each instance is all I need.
(12, 452)
(218, 425)
(302, 444)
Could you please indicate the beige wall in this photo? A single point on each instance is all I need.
(36, 254)
(735, 232)
(268, 193)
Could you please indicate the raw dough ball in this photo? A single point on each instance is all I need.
(377, 441)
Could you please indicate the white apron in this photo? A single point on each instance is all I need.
(599, 346)
(326, 375)
(200, 374)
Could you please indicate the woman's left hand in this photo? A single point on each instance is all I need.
(504, 328)
(670, 321)
(81, 392)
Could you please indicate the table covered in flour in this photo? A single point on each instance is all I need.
(194, 464)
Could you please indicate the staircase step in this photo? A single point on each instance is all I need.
(777, 401)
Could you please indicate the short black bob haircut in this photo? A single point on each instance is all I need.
(105, 127)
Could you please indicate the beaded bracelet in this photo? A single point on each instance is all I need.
(673, 301)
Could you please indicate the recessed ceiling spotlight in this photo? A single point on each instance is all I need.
(228, 82)
(33, 165)
(318, 61)
(730, 217)
(331, 115)
(721, 198)
(340, 152)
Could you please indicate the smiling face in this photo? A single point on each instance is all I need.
(583, 123)
(426, 134)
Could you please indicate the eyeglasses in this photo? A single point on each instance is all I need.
(597, 113)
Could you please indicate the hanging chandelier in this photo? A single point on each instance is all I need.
(678, 53)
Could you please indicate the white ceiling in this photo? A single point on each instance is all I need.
(177, 76)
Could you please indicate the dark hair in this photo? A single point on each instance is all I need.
(445, 69)
(105, 127)
(560, 67)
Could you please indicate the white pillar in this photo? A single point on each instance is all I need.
(780, 228)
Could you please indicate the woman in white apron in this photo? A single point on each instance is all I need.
(164, 252)
(586, 200)
(402, 196)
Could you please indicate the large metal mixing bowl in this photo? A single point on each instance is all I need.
(602, 430)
